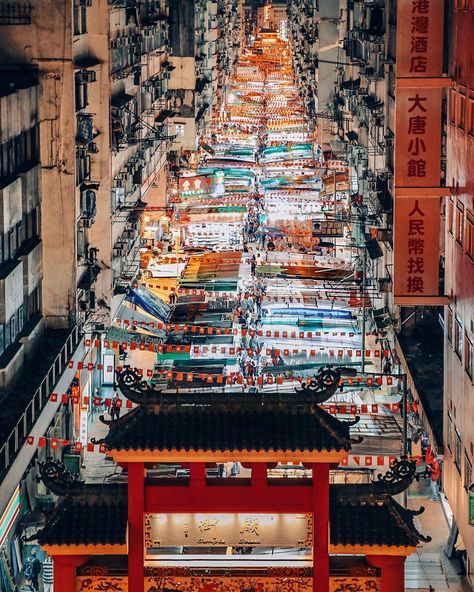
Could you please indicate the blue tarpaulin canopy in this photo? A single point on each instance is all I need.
(149, 302)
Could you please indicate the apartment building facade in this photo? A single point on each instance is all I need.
(357, 103)
(204, 39)
(84, 152)
(459, 255)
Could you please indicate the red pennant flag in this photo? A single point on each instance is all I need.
(344, 462)
(77, 446)
(54, 397)
(380, 461)
(90, 447)
(103, 448)
(64, 399)
(368, 461)
(30, 440)
(41, 442)
(54, 443)
(356, 459)
(128, 404)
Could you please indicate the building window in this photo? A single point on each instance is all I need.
(80, 17)
(458, 336)
(449, 431)
(13, 328)
(459, 223)
(462, 111)
(450, 215)
(469, 235)
(470, 116)
(457, 450)
(449, 324)
(81, 95)
(452, 106)
(467, 471)
(468, 356)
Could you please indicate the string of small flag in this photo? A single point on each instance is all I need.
(233, 350)
(240, 331)
(77, 446)
(235, 377)
(354, 301)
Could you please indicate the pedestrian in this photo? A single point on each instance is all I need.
(32, 568)
(115, 407)
(28, 587)
(47, 574)
(435, 474)
(460, 555)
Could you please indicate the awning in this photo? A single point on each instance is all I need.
(201, 84)
(120, 100)
(86, 61)
(348, 84)
(88, 277)
(163, 116)
(352, 136)
(207, 148)
(149, 302)
(373, 248)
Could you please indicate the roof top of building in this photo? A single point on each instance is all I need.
(103, 521)
(361, 514)
(218, 429)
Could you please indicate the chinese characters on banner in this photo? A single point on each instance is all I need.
(195, 185)
(419, 38)
(418, 150)
(418, 137)
(417, 222)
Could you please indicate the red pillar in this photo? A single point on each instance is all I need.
(64, 570)
(321, 527)
(136, 525)
(393, 571)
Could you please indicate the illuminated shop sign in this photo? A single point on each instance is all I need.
(228, 530)
(327, 228)
(199, 185)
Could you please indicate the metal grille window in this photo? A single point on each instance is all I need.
(449, 324)
(469, 235)
(80, 17)
(449, 431)
(467, 470)
(457, 450)
(459, 228)
(458, 336)
(468, 356)
(450, 216)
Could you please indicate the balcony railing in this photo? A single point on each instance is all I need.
(13, 443)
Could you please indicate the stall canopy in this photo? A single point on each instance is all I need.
(149, 302)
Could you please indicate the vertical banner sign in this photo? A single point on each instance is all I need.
(418, 150)
(417, 223)
(418, 137)
(419, 38)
